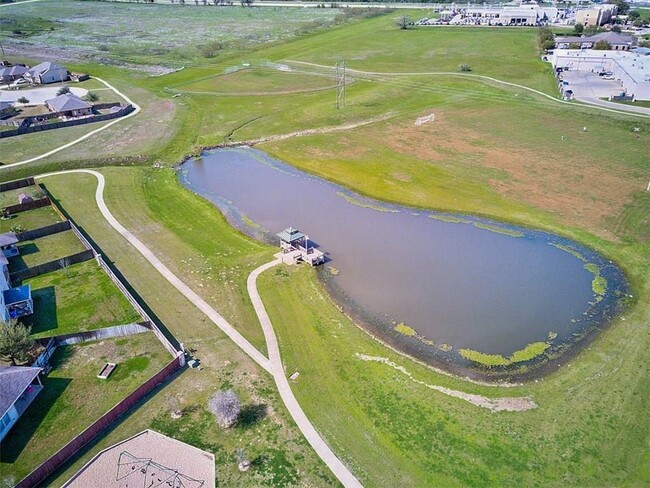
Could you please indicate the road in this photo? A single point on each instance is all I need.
(273, 364)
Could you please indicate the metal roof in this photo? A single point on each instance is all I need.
(7, 239)
(17, 295)
(290, 234)
(14, 380)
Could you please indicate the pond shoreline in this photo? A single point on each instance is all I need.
(530, 363)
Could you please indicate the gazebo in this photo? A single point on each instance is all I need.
(296, 244)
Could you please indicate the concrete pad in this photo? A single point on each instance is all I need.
(37, 96)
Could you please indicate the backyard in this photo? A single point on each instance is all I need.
(76, 298)
(62, 410)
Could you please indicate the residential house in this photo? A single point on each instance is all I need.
(12, 73)
(47, 72)
(14, 302)
(18, 387)
(69, 105)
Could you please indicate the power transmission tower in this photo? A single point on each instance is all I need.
(340, 84)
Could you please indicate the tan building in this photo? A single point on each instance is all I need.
(596, 16)
(147, 460)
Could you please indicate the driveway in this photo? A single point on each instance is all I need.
(37, 95)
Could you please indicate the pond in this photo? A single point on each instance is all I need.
(455, 291)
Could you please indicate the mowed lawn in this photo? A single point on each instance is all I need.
(391, 430)
(29, 220)
(74, 299)
(73, 397)
(45, 249)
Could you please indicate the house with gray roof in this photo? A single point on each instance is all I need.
(69, 105)
(12, 73)
(18, 387)
(47, 72)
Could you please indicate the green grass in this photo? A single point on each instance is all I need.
(529, 352)
(62, 409)
(45, 249)
(74, 299)
(11, 197)
(272, 441)
(394, 432)
(31, 219)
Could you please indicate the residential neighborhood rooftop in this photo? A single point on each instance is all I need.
(66, 102)
(13, 382)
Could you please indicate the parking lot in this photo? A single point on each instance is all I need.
(588, 86)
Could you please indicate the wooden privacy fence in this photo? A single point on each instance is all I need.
(26, 129)
(22, 207)
(14, 185)
(52, 464)
(48, 267)
(47, 230)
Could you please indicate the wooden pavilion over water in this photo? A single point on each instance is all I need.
(295, 246)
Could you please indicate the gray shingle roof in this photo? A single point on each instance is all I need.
(13, 382)
(39, 69)
(13, 71)
(7, 239)
(67, 101)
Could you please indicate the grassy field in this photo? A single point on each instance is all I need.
(32, 219)
(77, 298)
(396, 432)
(45, 249)
(141, 34)
(270, 438)
(492, 150)
(62, 409)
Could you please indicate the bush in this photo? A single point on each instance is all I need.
(63, 90)
(210, 49)
(22, 100)
(464, 68)
(225, 406)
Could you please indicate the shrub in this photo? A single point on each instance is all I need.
(464, 68)
(22, 100)
(63, 90)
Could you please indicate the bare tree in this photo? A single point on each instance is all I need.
(225, 405)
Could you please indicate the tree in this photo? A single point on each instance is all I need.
(464, 68)
(15, 343)
(225, 405)
(91, 97)
(616, 28)
(23, 100)
(63, 90)
(602, 46)
(633, 15)
(637, 23)
(243, 463)
(403, 22)
(578, 29)
(622, 5)
(210, 49)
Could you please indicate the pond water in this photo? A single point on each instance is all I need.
(454, 281)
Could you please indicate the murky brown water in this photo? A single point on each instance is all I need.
(454, 283)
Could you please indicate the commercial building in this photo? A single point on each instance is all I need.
(596, 16)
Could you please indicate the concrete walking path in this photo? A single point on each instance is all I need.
(273, 365)
(277, 370)
(201, 304)
(86, 136)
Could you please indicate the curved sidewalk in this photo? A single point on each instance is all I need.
(272, 365)
(315, 440)
(85, 136)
